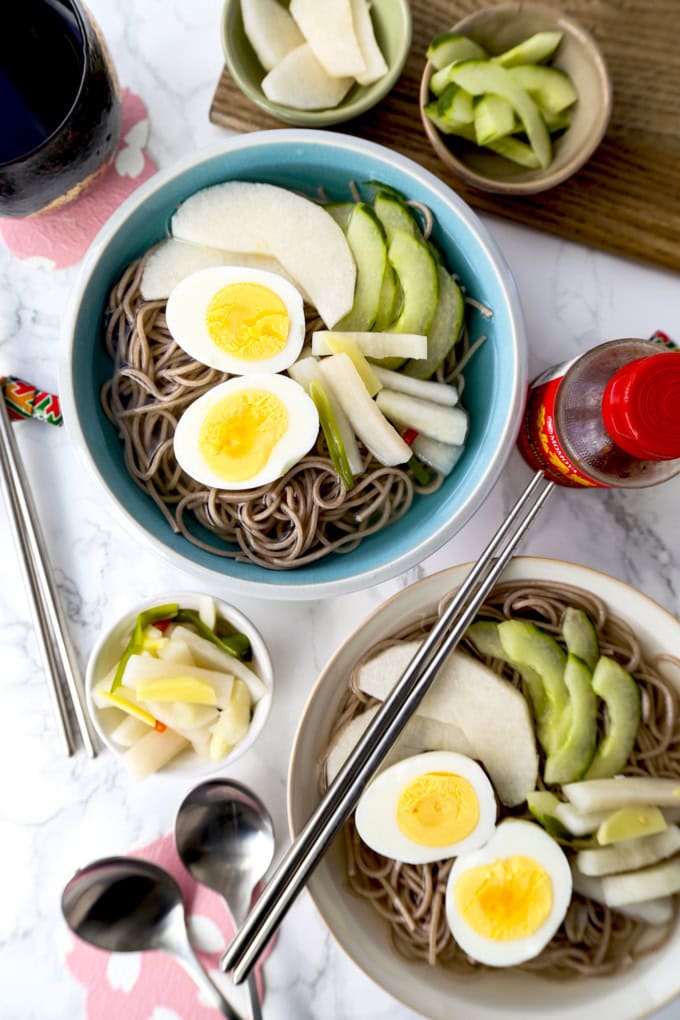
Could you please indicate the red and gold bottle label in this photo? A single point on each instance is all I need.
(538, 440)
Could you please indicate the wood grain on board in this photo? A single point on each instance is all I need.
(626, 199)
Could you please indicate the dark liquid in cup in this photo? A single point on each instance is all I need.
(41, 69)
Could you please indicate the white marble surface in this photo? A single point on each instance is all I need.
(56, 814)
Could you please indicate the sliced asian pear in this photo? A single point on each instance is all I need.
(242, 216)
(492, 713)
(329, 29)
(270, 30)
(370, 51)
(301, 82)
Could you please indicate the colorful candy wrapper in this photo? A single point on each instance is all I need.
(659, 337)
(26, 401)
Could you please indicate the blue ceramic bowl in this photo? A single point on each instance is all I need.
(495, 380)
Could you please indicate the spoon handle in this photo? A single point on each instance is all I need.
(255, 1008)
(186, 957)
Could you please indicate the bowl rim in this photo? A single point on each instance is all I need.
(457, 572)
(333, 115)
(367, 577)
(544, 179)
(232, 615)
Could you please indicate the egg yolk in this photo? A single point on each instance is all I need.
(437, 809)
(506, 900)
(248, 321)
(239, 433)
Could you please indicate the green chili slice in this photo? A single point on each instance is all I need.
(135, 645)
(237, 645)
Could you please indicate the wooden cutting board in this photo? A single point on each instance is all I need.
(626, 199)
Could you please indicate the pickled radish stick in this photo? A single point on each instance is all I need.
(364, 415)
(154, 751)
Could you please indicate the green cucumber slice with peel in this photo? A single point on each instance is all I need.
(528, 646)
(450, 126)
(390, 299)
(394, 215)
(621, 695)
(445, 329)
(517, 151)
(550, 88)
(494, 119)
(572, 758)
(485, 636)
(542, 804)
(479, 77)
(456, 104)
(534, 50)
(366, 240)
(580, 636)
(416, 269)
(448, 47)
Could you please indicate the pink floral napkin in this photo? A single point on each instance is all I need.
(152, 986)
(60, 238)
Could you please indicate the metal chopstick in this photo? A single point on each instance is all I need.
(58, 654)
(341, 797)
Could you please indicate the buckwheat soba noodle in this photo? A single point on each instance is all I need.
(300, 518)
(593, 939)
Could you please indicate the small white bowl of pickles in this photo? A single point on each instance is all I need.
(515, 98)
(181, 683)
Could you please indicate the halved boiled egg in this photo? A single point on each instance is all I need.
(246, 432)
(237, 320)
(426, 808)
(505, 901)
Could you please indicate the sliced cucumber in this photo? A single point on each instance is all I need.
(580, 636)
(448, 46)
(449, 126)
(494, 119)
(486, 639)
(456, 105)
(366, 240)
(516, 151)
(550, 88)
(556, 121)
(479, 77)
(529, 646)
(341, 213)
(621, 695)
(417, 271)
(542, 806)
(574, 755)
(445, 329)
(390, 299)
(534, 50)
(394, 215)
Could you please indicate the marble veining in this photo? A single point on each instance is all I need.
(56, 814)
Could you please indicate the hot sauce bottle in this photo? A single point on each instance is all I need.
(609, 418)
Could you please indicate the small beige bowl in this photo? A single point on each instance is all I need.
(497, 29)
(107, 652)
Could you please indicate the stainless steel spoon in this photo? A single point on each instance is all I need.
(127, 905)
(225, 837)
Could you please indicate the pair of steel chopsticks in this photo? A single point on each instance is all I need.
(342, 795)
(59, 659)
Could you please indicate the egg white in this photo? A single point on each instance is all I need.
(186, 318)
(512, 837)
(376, 813)
(300, 436)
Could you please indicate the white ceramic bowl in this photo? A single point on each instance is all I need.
(107, 652)
(362, 933)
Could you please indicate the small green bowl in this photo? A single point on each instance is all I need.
(392, 25)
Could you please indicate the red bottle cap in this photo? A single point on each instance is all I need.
(641, 407)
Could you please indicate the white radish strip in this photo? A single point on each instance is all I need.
(307, 371)
(153, 751)
(129, 731)
(446, 424)
(578, 823)
(365, 417)
(207, 611)
(629, 853)
(210, 656)
(648, 884)
(300, 82)
(656, 911)
(183, 717)
(443, 457)
(176, 651)
(270, 30)
(370, 51)
(329, 29)
(374, 345)
(626, 791)
(436, 392)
